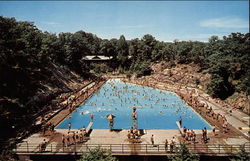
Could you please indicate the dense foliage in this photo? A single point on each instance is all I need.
(28, 54)
(242, 155)
(183, 154)
(97, 155)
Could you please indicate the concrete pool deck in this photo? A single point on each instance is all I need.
(114, 140)
(97, 136)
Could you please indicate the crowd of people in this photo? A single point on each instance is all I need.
(189, 135)
(189, 96)
(133, 133)
(74, 137)
(192, 98)
(48, 128)
(118, 95)
(204, 109)
(70, 102)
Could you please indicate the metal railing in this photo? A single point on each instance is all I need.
(135, 149)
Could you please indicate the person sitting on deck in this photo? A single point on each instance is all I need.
(184, 129)
(136, 133)
(225, 127)
(129, 135)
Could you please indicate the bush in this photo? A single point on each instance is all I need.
(142, 68)
(183, 154)
(219, 87)
(97, 154)
(100, 68)
(241, 156)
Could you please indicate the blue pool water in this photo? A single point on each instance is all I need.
(156, 109)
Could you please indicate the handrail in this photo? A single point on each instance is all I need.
(147, 149)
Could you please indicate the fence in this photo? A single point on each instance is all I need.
(131, 149)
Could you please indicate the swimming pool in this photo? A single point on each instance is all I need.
(156, 109)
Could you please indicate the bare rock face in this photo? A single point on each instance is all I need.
(240, 101)
(186, 74)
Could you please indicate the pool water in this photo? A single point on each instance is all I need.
(156, 109)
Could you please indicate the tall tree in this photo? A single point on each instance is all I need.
(122, 49)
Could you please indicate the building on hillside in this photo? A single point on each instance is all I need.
(97, 58)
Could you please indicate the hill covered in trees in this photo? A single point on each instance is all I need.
(30, 58)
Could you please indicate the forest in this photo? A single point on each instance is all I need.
(27, 54)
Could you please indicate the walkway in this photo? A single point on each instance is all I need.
(118, 143)
(117, 140)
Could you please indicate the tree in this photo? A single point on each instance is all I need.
(50, 47)
(183, 50)
(141, 68)
(122, 49)
(149, 43)
(219, 86)
(213, 39)
(183, 154)
(97, 154)
(242, 155)
(106, 48)
(63, 57)
(7, 155)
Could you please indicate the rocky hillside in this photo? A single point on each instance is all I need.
(185, 74)
(190, 75)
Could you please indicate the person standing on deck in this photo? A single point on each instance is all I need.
(166, 145)
(68, 139)
(205, 134)
(152, 139)
(80, 136)
(63, 140)
(74, 138)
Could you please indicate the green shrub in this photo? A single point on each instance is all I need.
(183, 154)
(98, 154)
